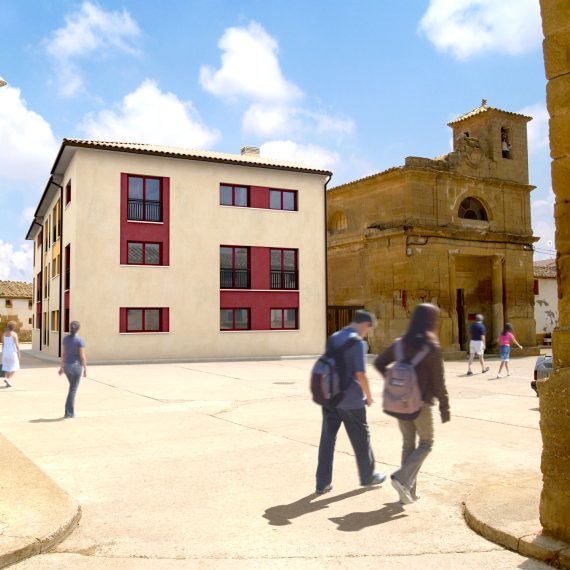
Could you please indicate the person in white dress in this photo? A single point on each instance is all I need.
(10, 353)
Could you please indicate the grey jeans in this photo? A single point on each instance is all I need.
(412, 456)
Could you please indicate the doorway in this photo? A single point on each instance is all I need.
(461, 318)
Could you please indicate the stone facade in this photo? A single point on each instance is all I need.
(15, 306)
(555, 392)
(454, 231)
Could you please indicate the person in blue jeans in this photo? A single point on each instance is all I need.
(352, 409)
(73, 363)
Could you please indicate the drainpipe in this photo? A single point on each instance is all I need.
(326, 259)
(60, 260)
(41, 273)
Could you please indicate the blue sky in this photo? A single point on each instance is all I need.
(354, 87)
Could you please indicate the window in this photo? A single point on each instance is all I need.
(67, 267)
(284, 273)
(536, 288)
(234, 319)
(505, 142)
(234, 267)
(144, 199)
(283, 200)
(284, 319)
(31, 320)
(9, 303)
(472, 209)
(144, 253)
(55, 321)
(30, 304)
(232, 195)
(66, 320)
(68, 193)
(56, 218)
(55, 266)
(145, 320)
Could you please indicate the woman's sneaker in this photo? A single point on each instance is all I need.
(7, 383)
(404, 493)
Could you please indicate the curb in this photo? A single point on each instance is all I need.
(510, 529)
(35, 513)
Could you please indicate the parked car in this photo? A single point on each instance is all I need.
(542, 369)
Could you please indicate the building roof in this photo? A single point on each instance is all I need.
(484, 108)
(15, 290)
(203, 155)
(545, 269)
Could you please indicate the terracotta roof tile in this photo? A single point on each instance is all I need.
(545, 269)
(15, 290)
(483, 109)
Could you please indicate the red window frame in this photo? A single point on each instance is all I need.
(282, 192)
(145, 243)
(68, 193)
(233, 267)
(144, 199)
(233, 309)
(143, 317)
(282, 327)
(233, 187)
(282, 270)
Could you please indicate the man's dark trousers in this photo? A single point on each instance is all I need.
(357, 429)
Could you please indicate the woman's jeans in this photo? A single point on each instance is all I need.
(73, 373)
(412, 456)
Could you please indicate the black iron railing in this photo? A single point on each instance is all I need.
(234, 279)
(284, 280)
(145, 211)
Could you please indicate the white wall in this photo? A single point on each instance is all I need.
(546, 306)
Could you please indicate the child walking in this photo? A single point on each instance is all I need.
(505, 339)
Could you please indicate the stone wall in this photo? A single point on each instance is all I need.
(555, 392)
(24, 334)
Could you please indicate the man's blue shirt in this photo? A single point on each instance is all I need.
(477, 331)
(355, 361)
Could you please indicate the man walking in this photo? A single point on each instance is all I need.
(478, 334)
(352, 409)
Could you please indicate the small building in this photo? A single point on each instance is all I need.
(168, 253)
(454, 231)
(545, 299)
(16, 306)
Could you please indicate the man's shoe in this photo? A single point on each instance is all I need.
(404, 493)
(324, 490)
(377, 479)
(469, 373)
(8, 385)
(486, 370)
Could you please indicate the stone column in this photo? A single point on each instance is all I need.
(497, 292)
(453, 303)
(555, 392)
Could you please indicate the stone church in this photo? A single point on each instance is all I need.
(454, 231)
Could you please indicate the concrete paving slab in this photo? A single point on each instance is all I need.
(211, 465)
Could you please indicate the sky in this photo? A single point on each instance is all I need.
(354, 87)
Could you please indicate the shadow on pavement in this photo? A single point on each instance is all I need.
(357, 521)
(46, 420)
(282, 514)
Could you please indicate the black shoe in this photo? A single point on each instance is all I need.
(377, 479)
(324, 490)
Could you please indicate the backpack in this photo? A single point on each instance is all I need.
(402, 396)
(328, 376)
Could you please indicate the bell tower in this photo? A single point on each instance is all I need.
(502, 138)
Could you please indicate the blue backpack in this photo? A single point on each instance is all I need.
(329, 379)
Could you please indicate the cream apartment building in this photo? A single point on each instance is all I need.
(166, 253)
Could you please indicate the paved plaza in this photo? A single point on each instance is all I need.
(211, 465)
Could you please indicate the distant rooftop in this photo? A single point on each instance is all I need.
(545, 269)
(484, 108)
(15, 290)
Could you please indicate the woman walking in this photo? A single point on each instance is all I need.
(73, 362)
(505, 339)
(420, 337)
(10, 353)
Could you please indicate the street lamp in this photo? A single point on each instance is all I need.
(2, 82)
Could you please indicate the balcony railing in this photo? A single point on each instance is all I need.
(144, 211)
(284, 280)
(234, 279)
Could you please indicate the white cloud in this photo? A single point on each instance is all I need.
(309, 154)
(16, 264)
(250, 68)
(148, 115)
(543, 226)
(278, 120)
(538, 127)
(468, 28)
(91, 30)
(27, 144)
(26, 217)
